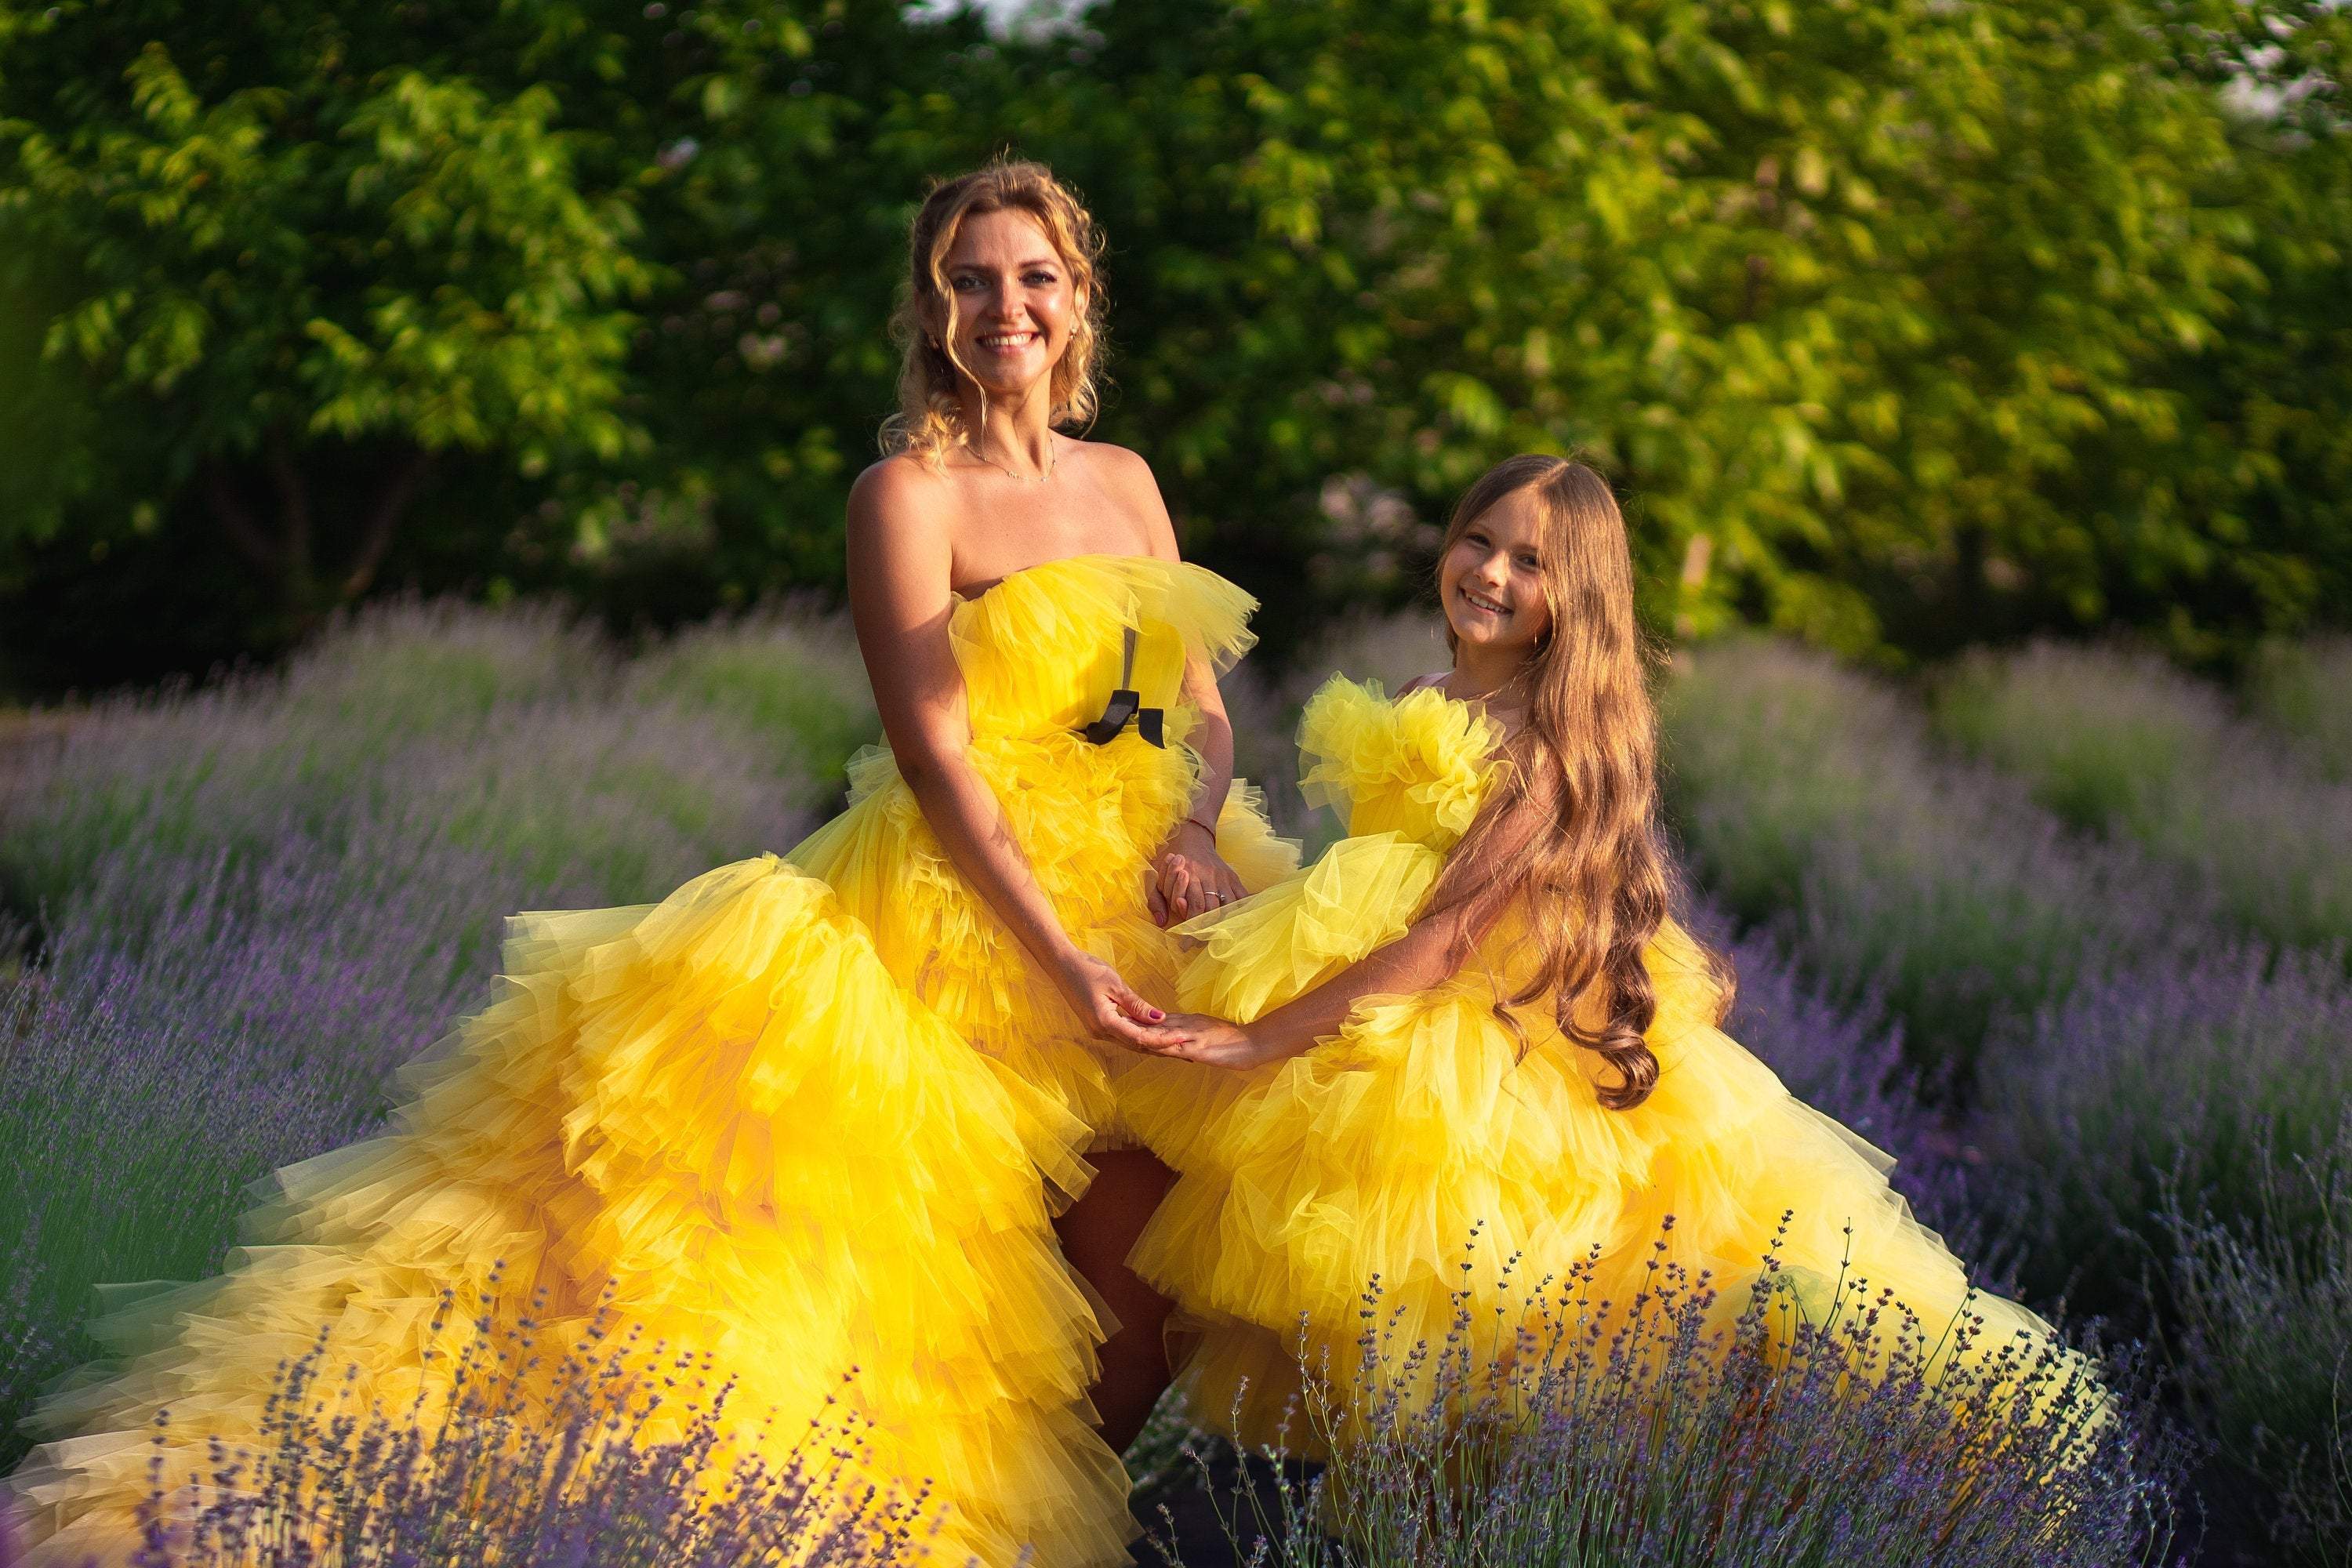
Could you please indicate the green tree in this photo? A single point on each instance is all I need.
(2254, 508)
(762, 370)
(313, 237)
(1902, 322)
(615, 272)
(1862, 302)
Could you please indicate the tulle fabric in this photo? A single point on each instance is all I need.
(806, 1114)
(1468, 1171)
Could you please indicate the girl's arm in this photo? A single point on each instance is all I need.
(1429, 953)
(899, 582)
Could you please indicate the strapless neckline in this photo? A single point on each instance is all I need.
(973, 596)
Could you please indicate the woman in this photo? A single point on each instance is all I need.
(817, 1112)
(1469, 1054)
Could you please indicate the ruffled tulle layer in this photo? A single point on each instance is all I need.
(1034, 657)
(1416, 765)
(800, 1116)
(1091, 817)
(1421, 1151)
(1037, 664)
(722, 1124)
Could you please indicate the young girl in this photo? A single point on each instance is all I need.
(1469, 1051)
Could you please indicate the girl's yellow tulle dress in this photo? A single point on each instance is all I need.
(1427, 1147)
(806, 1113)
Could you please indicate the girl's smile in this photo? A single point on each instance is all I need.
(1492, 579)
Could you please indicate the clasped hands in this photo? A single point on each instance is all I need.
(1113, 1011)
(1189, 878)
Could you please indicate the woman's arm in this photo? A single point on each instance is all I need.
(1189, 876)
(899, 598)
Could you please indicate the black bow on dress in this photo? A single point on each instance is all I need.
(1125, 703)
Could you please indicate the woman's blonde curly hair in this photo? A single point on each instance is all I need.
(931, 407)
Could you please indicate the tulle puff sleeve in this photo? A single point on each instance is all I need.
(1418, 765)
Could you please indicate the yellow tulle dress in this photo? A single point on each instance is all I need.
(807, 1114)
(1426, 1147)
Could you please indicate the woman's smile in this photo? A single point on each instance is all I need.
(1009, 343)
(1011, 300)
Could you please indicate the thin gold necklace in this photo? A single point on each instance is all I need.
(1483, 697)
(1052, 461)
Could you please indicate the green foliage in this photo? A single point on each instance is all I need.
(305, 268)
(2240, 523)
(1900, 322)
(286, 236)
(1859, 300)
(790, 163)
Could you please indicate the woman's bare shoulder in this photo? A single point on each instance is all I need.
(1422, 683)
(898, 480)
(901, 518)
(1122, 471)
(1114, 458)
(901, 494)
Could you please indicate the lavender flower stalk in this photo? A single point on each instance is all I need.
(259, 899)
(620, 1454)
(1659, 1437)
(2266, 1303)
(2191, 1076)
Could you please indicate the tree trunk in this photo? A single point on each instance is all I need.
(383, 521)
(283, 546)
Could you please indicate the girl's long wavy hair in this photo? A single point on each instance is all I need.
(1568, 830)
(931, 416)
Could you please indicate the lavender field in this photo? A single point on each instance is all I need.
(2065, 931)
